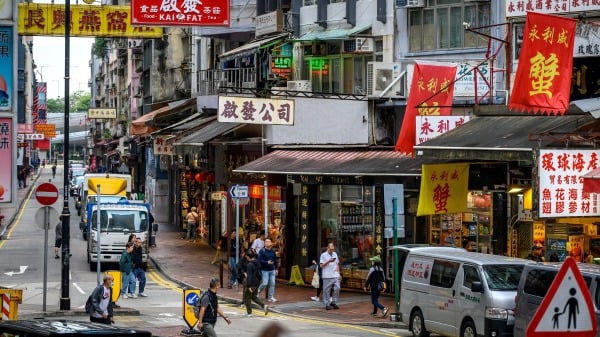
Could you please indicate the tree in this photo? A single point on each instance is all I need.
(80, 101)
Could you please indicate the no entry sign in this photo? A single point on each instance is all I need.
(46, 194)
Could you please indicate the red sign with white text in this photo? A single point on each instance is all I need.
(180, 12)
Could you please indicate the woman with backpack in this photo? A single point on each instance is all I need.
(253, 281)
(375, 281)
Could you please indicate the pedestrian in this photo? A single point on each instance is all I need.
(127, 276)
(53, 171)
(192, 223)
(58, 237)
(537, 253)
(21, 177)
(253, 276)
(138, 266)
(330, 265)
(375, 277)
(209, 309)
(131, 238)
(233, 251)
(317, 269)
(43, 163)
(259, 243)
(269, 268)
(240, 270)
(101, 310)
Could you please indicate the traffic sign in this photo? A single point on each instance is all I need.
(238, 191)
(40, 217)
(566, 308)
(190, 296)
(46, 194)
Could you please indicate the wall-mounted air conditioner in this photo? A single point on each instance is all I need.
(359, 45)
(415, 3)
(380, 75)
(302, 85)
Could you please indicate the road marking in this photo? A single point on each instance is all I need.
(78, 288)
(19, 215)
(21, 271)
(158, 279)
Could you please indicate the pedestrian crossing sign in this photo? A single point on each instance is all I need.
(566, 308)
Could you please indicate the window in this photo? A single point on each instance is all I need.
(503, 277)
(471, 275)
(443, 273)
(440, 25)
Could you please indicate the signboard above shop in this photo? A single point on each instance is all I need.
(180, 13)
(515, 8)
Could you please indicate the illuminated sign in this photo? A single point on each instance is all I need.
(319, 66)
(49, 130)
(180, 13)
(281, 64)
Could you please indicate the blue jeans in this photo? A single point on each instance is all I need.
(233, 272)
(375, 299)
(140, 274)
(192, 231)
(268, 276)
(127, 280)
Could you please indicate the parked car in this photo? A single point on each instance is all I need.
(65, 328)
(75, 186)
(534, 284)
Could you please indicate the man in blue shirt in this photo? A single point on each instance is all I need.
(268, 267)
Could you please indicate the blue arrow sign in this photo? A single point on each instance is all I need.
(238, 191)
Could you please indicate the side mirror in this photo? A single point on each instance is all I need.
(477, 287)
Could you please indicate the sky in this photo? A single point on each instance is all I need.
(49, 56)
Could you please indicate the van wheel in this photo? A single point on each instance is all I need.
(468, 330)
(417, 324)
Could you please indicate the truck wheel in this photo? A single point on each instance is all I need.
(417, 324)
(468, 330)
(93, 266)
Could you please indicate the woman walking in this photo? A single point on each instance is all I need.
(375, 280)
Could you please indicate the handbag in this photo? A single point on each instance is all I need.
(382, 286)
(315, 280)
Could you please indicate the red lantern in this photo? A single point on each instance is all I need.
(210, 177)
(188, 176)
(198, 178)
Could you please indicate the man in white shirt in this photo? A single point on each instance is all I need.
(330, 269)
(259, 243)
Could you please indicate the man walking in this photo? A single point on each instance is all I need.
(58, 237)
(126, 268)
(253, 275)
(138, 266)
(269, 267)
(101, 309)
(209, 310)
(330, 265)
(259, 243)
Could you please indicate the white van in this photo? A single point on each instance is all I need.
(452, 292)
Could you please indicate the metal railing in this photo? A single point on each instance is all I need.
(209, 81)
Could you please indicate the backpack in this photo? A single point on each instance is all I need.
(88, 305)
(197, 304)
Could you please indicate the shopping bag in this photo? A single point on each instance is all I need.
(315, 280)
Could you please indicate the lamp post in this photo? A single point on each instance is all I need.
(65, 301)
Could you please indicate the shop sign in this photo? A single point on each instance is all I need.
(6, 67)
(180, 13)
(319, 66)
(258, 191)
(429, 127)
(466, 73)
(216, 196)
(281, 64)
(444, 189)
(49, 130)
(6, 10)
(6, 160)
(106, 21)
(520, 8)
(254, 110)
(33, 136)
(162, 145)
(561, 184)
(332, 180)
(25, 128)
(269, 23)
(102, 113)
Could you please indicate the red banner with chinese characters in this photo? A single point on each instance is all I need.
(543, 79)
(180, 13)
(431, 93)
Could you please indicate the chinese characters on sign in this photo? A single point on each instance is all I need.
(466, 73)
(6, 67)
(180, 12)
(6, 160)
(561, 183)
(106, 113)
(254, 110)
(543, 78)
(304, 209)
(520, 7)
(163, 146)
(418, 270)
(444, 189)
(48, 130)
(112, 21)
(429, 127)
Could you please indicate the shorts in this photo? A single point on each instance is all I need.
(57, 243)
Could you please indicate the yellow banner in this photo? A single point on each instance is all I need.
(444, 189)
(86, 20)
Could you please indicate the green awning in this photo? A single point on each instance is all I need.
(333, 34)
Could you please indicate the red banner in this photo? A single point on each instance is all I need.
(543, 79)
(431, 93)
(180, 13)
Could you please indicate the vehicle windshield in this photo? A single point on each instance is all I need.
(121, 220)
(107, 199)
(503, 277)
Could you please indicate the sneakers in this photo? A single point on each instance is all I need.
(124, 296)
(374, 315)
(143, 294)
(314, 298)
(56, 257)
(132, 295)
(335, 306)
(248, 315)
(272, 299)
(385, 311)
(328, 307)
(266, 309)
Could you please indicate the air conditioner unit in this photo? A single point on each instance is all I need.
(302, 85)
(380, 75)
(248, 85)
(415, 3)
(358, 45)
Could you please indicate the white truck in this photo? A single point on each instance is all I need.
(117, 222)
(113, 188)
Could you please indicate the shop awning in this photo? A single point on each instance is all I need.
(212, 130)
(333, 34)
(143, 124)
(591, 181)
(251, 46)
(502, 138)
(362, 162)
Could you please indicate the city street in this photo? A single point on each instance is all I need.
(22, 267)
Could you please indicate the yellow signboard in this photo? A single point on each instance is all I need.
(86, 20)
(444, 189)
(106, 113)
(49, 130)
(116, 288)
(190, 297)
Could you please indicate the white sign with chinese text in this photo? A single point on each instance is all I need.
(466, 73)
(33, 136)
(520, 8)
(102, 113)
(429, 127)
(561, 183)
(162, 145)
(253, 110)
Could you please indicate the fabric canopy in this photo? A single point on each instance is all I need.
(591, 181)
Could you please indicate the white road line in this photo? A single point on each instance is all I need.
(78, 288)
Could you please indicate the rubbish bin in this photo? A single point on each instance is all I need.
(14, 297)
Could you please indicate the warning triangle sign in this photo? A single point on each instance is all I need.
(566, 308)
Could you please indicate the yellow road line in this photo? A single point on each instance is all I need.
(19, 215)
(158, 279)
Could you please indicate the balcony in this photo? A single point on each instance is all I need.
(211, 82)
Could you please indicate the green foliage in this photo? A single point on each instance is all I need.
(99, 47)
(80, 102)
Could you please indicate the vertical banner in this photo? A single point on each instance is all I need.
(444, 189)
(543, 79)
(304, 210)
(431, 93)
(6, 159)
(6, 67)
